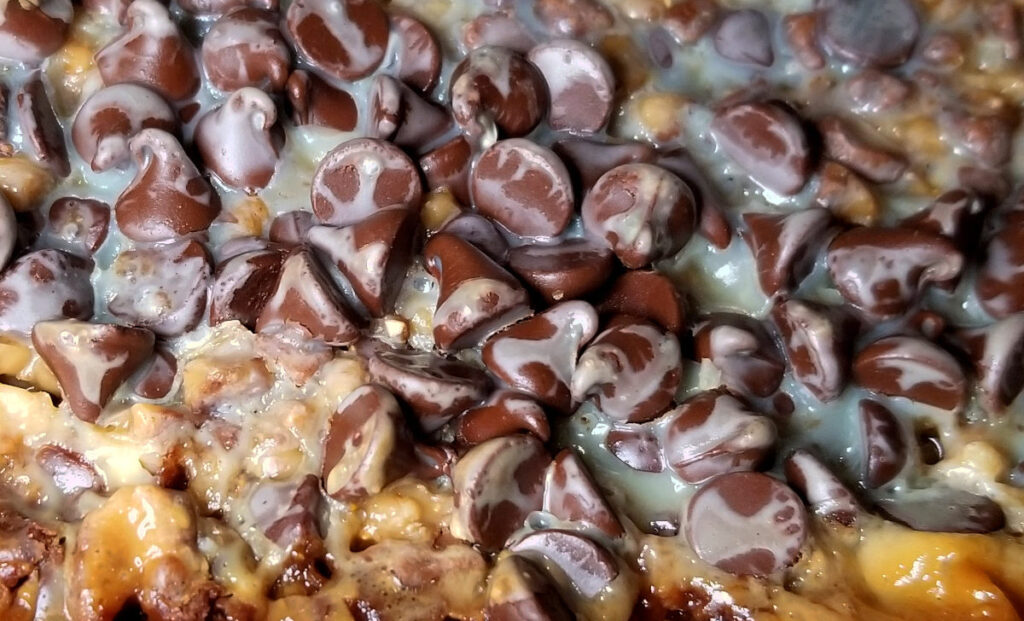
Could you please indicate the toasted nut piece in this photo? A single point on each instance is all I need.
(23, 182)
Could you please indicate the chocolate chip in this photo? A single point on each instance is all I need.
(986, 137)
(1003, 19)
(345, 40)
(538, 355)
(477, 297)
(580, 83)
(497, 484)
(246, 48)
(869, 33)
(571, 494)
(520, 591)
(883, 271)
(242, 285)
(843, 145)
(40, 128)
(240, 141)
(589, 159)
(649, 295)
(8, 233)
(304, 295)
(496, 86)
(714, 433)
(1000, 281)
(573, 18)
(884, 448)
(875, 91)
(818, 342)
(997, 352)
(361, 176)
(565, 271)
(31, 31)
(436, 388)
(785, 246)
(584, 565)
(642, 211)
(70, 471)
(162, 288)
(291, 227)
(825, 494)
(482, 233)
(745, 36)
(90, 361)
(712, 223)
(157, 378)
(448, 166)
(315, 102)
(911, 367)
(767, 141)
(168, 198)
(631, 371)
(746, 523)
(505, 412)
(419, 56)
(943, 510)
(497, 29)
(801, 32)
(219, 7)
(44, 285)
(111, 116)
(637, 446)
(741, 349)
(952, 214)
(401, 115)
(689, 20)
(150, 51)
(78, 225)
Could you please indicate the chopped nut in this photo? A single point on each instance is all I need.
(249, 216)
(68, 71)
(209, 381)
(659, 114)
(845, 194)
(23, 182)
(627, 62)
(439, 208)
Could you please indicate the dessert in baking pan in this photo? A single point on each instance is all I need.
(511, 310)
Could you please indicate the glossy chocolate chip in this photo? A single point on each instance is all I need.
(801, 32)
(361, 176)
(746, 523)
(767, 141)
(952, 214)
(111, 116)
(589, 159)
(150, 51)
(482, 233)
(304, 295)
(649, 295)
(242, 285)
(914, 368)
(246, 48)
(403, 116)
(501, 29)
(496, 87)
(883, 445)
(505, 412)
(571, 494)
(78, 225)
(741, 349)
(565, 271)
(419, 56)
(162, 288)
(745, 36)
(291, 227)
(520, 591)
(447, 167)
(875, 91)
(843, 145)
(31, 31)
(579, 564)
(580, 83)
(219, 7)
(869, 33)
(818, 342)
(70, 471)
(289, 514)
(436, 388)
(44, 285)
(882, 271)
(943, 510)
(157, 378)
(168, 198)
(785, 246)
(714, 433)
(689, 20)
(345, 40)
(573, 18)
(642, 211)
(367, 444)
(315, 102)
(42, 133)
(637, 446)
(1000, 281)
(538, 355)
(90, 361)
(477, 297)
(1002, 18)
(997, 352)
(497, 485)
(631, 371)
(825, 494)
(8, 233)
(240, 141)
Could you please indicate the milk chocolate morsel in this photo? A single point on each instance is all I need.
(245, 48)
(44, 285)
(70, 471)
(631, 371)
(524, 187)
(448, 167)
(419, 56)
(168, 198)
(801, 32)
(401, 115)
(315, 102)
(436, 388)
(566, 271)
(39, 126)
(502, 29)
(111, 116)
(943, 510)
(843, 145)
(90, 360)
(580, 83)
(495, 86)
(714, 433)
(570, 493)
(767, 141)
(538, 355)
(914, 368)
(997, 352)
(482, 233)
(31, 31)
(291, 227)
(373, 255)
(362, 176)
(649, 295)
(883, 271)
(642, 211)
(367, 444)
(589, 159)
(243, 284)
(162, 288)
(477, 297)
(346, 40)
(875, 91)
(745, 36)
(288, 513)
(743, 352)
(520, 591)
(157, 378)
(689, 20)
(637, 446)
(1000, 282)
(497, 485)
(151, 51)
(78, 224)
(304, 295)
(746, 523)
(240, 141)
(573, 18)
(1003, 19)
(869, 33)
(818, 343)
(825, 494)
(785, 246)
(8, 232)
(884, 448)
(219, 7)
(505, 412)
(952, 214)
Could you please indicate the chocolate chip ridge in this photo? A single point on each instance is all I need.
(240, 141)
(111, 116)
(825, 494)
(914, 368)
(997, 352)
(244, 47)
(649, 295)
(570, 493)
(818, 341)
(884, 448)
(505, 413)
(785, 246)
